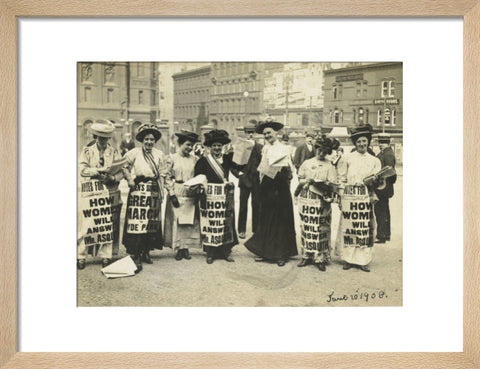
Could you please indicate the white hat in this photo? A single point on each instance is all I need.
(102, 128)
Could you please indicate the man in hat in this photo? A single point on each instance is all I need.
(127, 143)
(249, 183)
(382, 207)
(305, 151)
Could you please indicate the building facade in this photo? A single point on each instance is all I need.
(237, 93)
(293, 94)
(123, 93)
(191, 103)
(166, 89)
(370, 93)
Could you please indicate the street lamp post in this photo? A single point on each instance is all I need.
(245, 95)
(384, 114)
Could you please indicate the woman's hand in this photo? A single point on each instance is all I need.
(174, 200)
(131, 183)
(109, 178)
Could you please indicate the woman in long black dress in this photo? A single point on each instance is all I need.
(216, 167)
(275, 236)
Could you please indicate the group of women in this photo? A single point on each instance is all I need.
(150, 174)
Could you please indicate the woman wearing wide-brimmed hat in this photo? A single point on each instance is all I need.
(143, 223)
(274, 239)
(315, 178)
(182, 224)
(356, 232)
(99, 181)
(216, 167)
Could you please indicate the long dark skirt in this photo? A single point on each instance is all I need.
(134, 242)
(275, 235)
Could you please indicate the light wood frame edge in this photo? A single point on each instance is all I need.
(10, 10)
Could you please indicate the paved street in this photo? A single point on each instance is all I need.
(247, 283)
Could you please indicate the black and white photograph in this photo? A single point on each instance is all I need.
(239, 184)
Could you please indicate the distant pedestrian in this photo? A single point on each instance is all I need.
(304, 151)
(249, 183)
(127, 144)
(384, 193)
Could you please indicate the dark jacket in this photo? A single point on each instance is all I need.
(249, 178)
(301, 154)
(126, 146)
(387, 157)
(203, 167)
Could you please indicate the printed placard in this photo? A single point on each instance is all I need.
(357, 214)
(242, 149)
(143, 211)
(217, 215)
(95, 205)
(315, 220)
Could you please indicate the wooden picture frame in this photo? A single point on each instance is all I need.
(11, 9)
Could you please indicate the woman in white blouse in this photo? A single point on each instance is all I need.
(356, 232)
(315, 176)
(182, 224)
(143, 225)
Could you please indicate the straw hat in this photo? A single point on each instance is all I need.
(102, 128)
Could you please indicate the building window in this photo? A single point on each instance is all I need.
(337, 92)
(354, 116)
(366, 115)
(391, 88)
(394, 117)
(379, 117)
(110, 95)
(361, 89)
(361, 116)
(384, 88)
(87, 94)
(336, 116)
(140, 97)
(388, 88)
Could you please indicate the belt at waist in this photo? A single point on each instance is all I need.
(179, 182)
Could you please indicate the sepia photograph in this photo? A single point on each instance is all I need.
(239, 184)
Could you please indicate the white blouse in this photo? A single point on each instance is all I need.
(136, 160)
(354, 167)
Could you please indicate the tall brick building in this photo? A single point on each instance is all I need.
(371, 93)
(125, 93)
